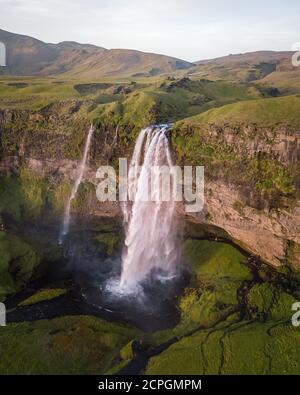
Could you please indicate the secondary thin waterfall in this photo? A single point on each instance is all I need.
(67, 213)
(150, 224)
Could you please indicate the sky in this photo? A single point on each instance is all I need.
(187, 29)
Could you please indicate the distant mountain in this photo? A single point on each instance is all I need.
(249, 57)
(29, 56)
(247, 67)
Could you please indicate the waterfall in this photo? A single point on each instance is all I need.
(150, 226)
(67, 215)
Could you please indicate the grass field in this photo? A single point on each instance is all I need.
(263, 112)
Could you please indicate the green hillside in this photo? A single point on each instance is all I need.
(263, 112)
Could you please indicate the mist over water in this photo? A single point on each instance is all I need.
(151, 245)
(151, 305)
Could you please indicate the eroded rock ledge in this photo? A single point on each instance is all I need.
(271, 234)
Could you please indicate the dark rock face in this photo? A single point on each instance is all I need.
(181, 83)
(122, 89)
(265, 223)
(281, 143)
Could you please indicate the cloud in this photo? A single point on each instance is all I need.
(190, 29)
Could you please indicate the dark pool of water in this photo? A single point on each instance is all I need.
(92, 280)
(151, 306)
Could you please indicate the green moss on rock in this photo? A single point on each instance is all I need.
(66, 345)
(261, 297)
(58, 196)
(218, 270)
(109, 241)
(243, 348)
(42, 295)
(11, 198)
(267, 302)
(282, 309)
(34, 189)
(214, 260)
(126, 352)
(18, 261)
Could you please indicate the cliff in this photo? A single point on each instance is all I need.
(252, 179)
(251, 154)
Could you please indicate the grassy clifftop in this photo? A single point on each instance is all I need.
(268, 112)
(250, 143)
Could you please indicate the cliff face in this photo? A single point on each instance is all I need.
(271, 234)
(251, 186)
(40, 153)
(280, 143)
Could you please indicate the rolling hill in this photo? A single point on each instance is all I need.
(247, 67)
(29, 56)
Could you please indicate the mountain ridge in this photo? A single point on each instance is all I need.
(29, 56)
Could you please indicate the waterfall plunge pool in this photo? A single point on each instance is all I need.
(216, 279)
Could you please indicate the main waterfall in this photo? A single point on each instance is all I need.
(150, 221)
(66, 220)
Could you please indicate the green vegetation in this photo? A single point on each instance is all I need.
(261, 297)
(163, 102)
(110, 242)
(217, 339)
(85, 198)
(126, 352)
(33, 189)
(18, 262)
(287, 81)
(213, 337)
(218, 271)
(34, 192)
(212, 260)
(240, 348)
(268, 302)
(220, 139)
(11, 198)
(232, 321)
(34, 93)
(67, 345)
(269, 176)
(160, 100)
(58, 196)
(268, 112)
(56, 131)
(29, 197)
(265, 69)
(44, 294)
(25, 197)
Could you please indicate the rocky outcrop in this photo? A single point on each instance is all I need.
(271, 234)
(252, 186)
(281, 143)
